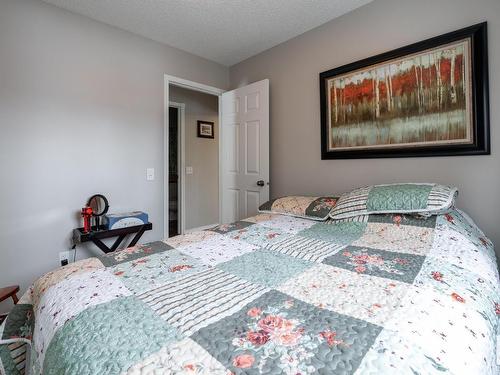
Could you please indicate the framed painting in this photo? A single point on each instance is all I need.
(205, 129)
(426, 99)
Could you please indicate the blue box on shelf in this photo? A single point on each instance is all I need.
(126, 219)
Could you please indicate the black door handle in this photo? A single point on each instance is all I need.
(260, 183)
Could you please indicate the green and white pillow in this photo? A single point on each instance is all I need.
(409, 198)
(314, 208)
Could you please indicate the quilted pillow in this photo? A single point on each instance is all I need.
(315, 208)
(410, 198)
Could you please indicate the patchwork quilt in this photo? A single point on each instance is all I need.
(271, 294)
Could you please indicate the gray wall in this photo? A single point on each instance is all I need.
(293, 68)
(202, 187)
(81, 111)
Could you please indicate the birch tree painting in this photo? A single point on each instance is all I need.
(420, 99)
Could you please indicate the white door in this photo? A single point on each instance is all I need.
(244, 151)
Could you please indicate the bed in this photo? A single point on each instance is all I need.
(271, 294)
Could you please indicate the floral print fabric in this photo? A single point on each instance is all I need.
(389, 294)
(270, 333)
(315, 208)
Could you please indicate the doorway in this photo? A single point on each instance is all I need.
(242, 154)
(174, 227)
(192, 187)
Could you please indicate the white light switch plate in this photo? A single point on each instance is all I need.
(150, 174)
(189, 170)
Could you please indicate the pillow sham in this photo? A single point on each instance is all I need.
(314, 208)
(409, 198)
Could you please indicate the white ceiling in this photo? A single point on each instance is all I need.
(225, 31)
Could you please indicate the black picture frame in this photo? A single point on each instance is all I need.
(201, 133)
(479, 99)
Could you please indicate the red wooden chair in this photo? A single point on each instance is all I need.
(8, 292)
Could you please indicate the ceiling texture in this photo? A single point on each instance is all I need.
(224, 31)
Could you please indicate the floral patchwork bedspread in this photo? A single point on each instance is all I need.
(385, 294)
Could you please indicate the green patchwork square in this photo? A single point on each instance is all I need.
(227, 228)
(404, 219)
(339, 233)
(389, 264)
(7, 362)
(258, 235)
(278, 334)
(265, 267)
(19, 322)
(107, 339)
(404, 197)
(150, 272)
(134, 252)
(18, 326)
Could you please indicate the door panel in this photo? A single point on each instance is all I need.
(235, 105)
(252, 147)
(252, 101)
(232, 140)
(244, 150)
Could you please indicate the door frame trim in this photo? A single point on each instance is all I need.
(196, 86)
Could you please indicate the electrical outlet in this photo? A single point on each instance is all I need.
(64, 257)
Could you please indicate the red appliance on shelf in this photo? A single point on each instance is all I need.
(87, 215)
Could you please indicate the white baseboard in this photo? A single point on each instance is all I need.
(201, 228)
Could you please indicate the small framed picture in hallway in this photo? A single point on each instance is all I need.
(205, 129)
(426, 99)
